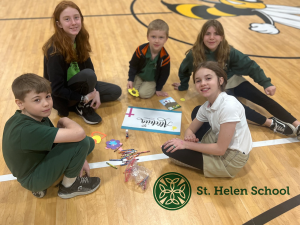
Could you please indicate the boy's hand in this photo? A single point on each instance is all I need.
(161, 93)
(176, 85)
(270, 90)
(129, 85)
(96, 101)
(85, 168)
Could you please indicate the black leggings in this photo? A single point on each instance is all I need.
(248, 91)
(85, 81)
(190, 157)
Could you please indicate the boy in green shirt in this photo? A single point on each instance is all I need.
(36, 152)
(149, 67)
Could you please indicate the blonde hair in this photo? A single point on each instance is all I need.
(158, 24)
(198, 49)
(28, 82)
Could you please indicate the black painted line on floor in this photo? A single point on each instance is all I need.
(275, 212)
(258, 56)
(43, 18)
(134, 15)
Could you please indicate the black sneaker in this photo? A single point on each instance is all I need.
(81, 186)
(40, 194)
(298, 132)
(282, 127)
(88, 114)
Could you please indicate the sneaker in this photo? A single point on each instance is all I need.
(40, 194)
(81, 186)
(88, 114)
(297, 132)
(282, 127)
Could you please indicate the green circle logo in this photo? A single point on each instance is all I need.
(172, 191)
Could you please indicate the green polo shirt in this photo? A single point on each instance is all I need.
(148, 72)
(26, 142)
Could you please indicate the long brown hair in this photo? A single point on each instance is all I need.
(62, 43)
(198, 49)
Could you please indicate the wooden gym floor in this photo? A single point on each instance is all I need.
(116, 29)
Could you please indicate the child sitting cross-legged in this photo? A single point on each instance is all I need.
(220, 124)
(36, 152)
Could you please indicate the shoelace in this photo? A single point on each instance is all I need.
(38, 193)
(84, 180)
(279, 127)
(88, 109)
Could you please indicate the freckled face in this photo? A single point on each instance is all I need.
(70, 22)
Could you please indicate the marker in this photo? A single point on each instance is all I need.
(127, 136)
(118, 148)
(111, 165)
(127, 150)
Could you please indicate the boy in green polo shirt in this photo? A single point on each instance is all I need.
(149, 67)
(36, 152)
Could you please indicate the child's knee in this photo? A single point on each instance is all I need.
(92, 144)
(90, 75)
(195, 111)
(164, 150)
(117, 92)
(84, 144)
(146, 93)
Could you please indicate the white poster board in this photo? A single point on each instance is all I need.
(152, 120)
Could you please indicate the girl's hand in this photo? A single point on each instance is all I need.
(161, 93)
(270, 90)
(174, 145)
(85, 168)
(129, 85)
(190, 136)
(96, 101)
(90, 96)
(176, 85)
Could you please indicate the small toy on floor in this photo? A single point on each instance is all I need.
(134, 92)
(114, 144)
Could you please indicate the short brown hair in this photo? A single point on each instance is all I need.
(158, 24)
(214, 66)
(28, 82)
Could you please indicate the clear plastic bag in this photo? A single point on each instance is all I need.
(139, 174)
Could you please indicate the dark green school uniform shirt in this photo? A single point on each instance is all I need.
(148, 72)
(238, 64)
(26, 142)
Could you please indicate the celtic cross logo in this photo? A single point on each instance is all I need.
(172, 191)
